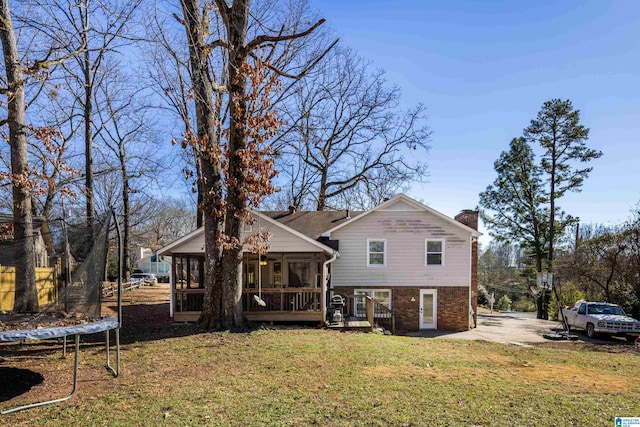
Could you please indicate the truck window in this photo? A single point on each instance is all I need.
(582, 309)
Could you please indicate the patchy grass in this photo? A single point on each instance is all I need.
(301, 377)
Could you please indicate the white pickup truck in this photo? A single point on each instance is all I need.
(602, 318)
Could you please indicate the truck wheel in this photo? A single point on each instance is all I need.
(591, 330)
(631, 338)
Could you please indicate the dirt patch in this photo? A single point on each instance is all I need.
(617, 347)
(36, 370)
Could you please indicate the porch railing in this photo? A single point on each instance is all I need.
(276, 299)
(383, 316)
(282, 299)
(189, 300)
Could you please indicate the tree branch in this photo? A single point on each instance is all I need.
(258, 41)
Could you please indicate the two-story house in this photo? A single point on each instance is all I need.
(42, 241)
(412, 259)
(149, 262)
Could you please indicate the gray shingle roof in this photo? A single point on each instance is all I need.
(311, 223)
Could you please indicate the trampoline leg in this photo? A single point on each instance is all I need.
(62, 399)
(116, 371)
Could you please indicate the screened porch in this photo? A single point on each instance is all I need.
(290, 285)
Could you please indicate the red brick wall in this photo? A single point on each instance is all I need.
(469, 218)
(452, 307)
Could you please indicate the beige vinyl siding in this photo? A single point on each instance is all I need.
(192, 246)
(405, 233)
(281, 241)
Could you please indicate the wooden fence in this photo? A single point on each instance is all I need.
(45, 283)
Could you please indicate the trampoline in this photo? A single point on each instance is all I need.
(76, 312)
(102, 325)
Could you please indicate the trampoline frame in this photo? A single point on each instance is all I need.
(106, 325)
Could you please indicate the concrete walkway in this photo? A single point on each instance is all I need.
(505, 328)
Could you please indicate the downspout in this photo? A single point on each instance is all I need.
(325, 278)
(472, 323)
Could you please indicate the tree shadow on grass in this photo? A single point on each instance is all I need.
(146, 322)
(16, 381)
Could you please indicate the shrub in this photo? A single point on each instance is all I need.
(483, 295)
(504, 303)
(523, 305)
(569, 294)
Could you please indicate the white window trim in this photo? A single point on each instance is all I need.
(426, 242)
(384, 262)
(357, 290)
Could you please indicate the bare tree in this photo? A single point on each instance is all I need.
(346, 125)
(238, 159)
(101, 28)
(26, 298)
(170, 67)
(24, 181)
(126, 135)
(157, 222)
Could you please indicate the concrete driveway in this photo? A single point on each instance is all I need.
(506, 328)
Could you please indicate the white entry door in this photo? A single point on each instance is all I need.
(428, 309)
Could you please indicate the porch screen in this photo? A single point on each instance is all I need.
(299, 274)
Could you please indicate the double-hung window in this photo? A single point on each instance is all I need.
(434, 252)
(376, 252)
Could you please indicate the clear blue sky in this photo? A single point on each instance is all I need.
(484, 69)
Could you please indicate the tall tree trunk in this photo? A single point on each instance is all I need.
(322, 191)
(238, 18)
(26, 296)
(92, 290)
(539, 256)
(552, 225)
(126, 212)
(211, 179)
(88, 131)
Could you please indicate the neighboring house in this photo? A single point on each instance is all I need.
(41, 238)
(415, 262)
(148, 262)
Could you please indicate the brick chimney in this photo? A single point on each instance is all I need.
(468, 217)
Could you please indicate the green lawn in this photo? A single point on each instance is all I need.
(302, 377)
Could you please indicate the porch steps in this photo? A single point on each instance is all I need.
(355, 324)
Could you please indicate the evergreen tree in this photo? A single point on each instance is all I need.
(557, 130)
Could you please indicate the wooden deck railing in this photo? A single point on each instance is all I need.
(189, 300)
(276, 299)
(282, 299)
(383, 316)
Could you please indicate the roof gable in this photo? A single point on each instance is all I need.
(311, 223)
(404, 203)
(182, 241)
(261, 218)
